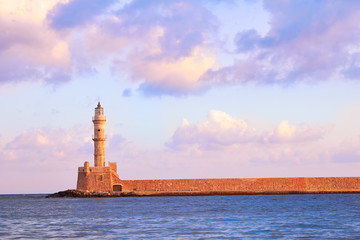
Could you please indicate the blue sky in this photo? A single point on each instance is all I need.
(202, 89)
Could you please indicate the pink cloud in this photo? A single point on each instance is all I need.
(52, 155)
(29, 51)
(34, 45)
(45, 145)
(221, 131)
(170, 47)
(307, 41)
(46, 159)
(165, 46)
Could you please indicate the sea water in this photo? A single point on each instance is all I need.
(215, 217)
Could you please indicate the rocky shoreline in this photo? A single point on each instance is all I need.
(85, 194)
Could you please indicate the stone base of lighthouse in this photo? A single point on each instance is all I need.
(98, 179)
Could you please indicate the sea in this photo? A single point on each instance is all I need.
(328, 216)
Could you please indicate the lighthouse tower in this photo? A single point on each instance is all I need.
(99, 136)
(99, 178)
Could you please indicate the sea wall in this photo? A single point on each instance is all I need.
(245, 185)
(105, 179)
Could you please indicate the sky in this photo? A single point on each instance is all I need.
(190, 89)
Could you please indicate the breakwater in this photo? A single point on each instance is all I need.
(229, 186)
(237, 186)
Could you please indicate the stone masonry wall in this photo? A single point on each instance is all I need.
(102, 179)
(247, 185)
(96, 179)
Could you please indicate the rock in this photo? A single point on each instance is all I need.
(84, 194)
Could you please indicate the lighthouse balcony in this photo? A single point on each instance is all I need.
(98, 138)
(99, 118)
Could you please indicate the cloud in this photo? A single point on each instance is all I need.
(127, 92)
(169, 49)
(247, 40)
(42, 160)
(163, 45)
(307, 41)
(174, 47)
(180, 25)
(117, 142)
(286, 133)
(220, 146)
(76, 12)
(30, 11)
(178, 76)
(56, 147)
(29, 51)
(346, 157)
(45, 146)
(222, 131)
(347, 151)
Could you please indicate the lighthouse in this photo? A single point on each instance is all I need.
(99, 178)
(99, 136)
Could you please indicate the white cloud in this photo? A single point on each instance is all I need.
(286, 133)
(221, 130)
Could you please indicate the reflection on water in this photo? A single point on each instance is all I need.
(287, 216)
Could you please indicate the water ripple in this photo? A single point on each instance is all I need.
(215, 217)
